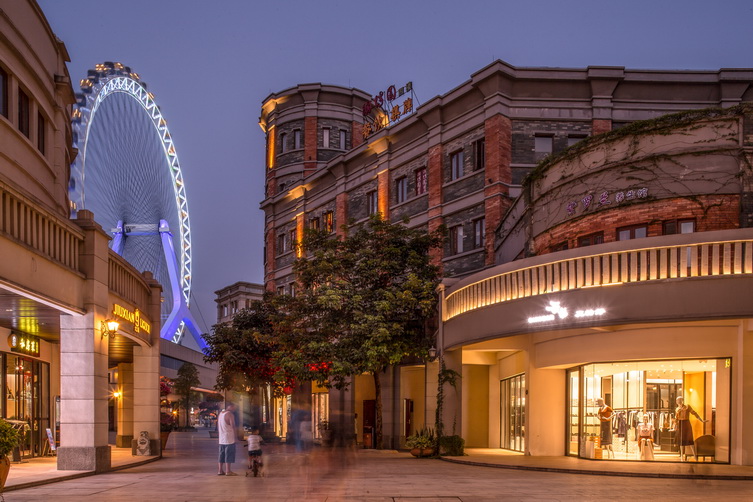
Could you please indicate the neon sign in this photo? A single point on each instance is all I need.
(392, 112)
(139, 323)
(557, 311)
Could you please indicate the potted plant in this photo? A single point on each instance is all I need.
(9, 438)
(327, 433)
(423, 443)
(166, 425)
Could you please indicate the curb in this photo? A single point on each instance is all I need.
(41, 482)
(562, 470)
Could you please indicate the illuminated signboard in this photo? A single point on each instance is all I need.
(24, 344)
(557, 311)
(387, 110)
(139, 323)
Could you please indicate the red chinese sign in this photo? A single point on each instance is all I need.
(390, 112)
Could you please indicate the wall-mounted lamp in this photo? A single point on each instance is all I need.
(432, 353)
(109, 327)
(116, 394)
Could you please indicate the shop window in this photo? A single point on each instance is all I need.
(456, 239)
(3, 93)
(297, 139)
(23, 113)
(325, 137)
(650, 410)
(372, 202)
(591, 239)
(479, 154)
(632, 232)
(479, 232)
(671, 227)
(401, 189)
(329, 221)
(343, 139)
(456, 165)
(421, 181)
(512, 413)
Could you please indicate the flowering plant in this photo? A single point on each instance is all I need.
(166, 422)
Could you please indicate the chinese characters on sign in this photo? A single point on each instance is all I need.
(604, 199)
(24, 344)
(392, 111)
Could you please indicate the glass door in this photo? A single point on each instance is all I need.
(573, 411)
(513, 403)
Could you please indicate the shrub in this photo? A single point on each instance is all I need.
(424, 438)
(452, 446)
(9, 437)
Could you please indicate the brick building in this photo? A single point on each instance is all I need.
(458, 160)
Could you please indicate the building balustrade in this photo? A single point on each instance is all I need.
(690, 256)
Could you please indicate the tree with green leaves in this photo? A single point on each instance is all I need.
(364, 302)
(188, 377)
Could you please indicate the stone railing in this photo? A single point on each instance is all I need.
(49, 235)
(720, 253)
(126, 282)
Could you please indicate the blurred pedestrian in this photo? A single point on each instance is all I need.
(227, 433)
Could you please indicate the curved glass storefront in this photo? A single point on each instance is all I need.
(669, 410)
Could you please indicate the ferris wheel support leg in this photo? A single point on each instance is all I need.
(179, 316)
(117, 238)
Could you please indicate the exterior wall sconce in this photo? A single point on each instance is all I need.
(116, 394)
(432, 353)
(109, 327)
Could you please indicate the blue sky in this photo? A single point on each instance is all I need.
(210, 65)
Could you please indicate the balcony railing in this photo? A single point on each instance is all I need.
(50, 235)
(125, 281)
(637, 265)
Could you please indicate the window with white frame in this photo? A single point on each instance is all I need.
(283, 141)
(325, 137)
(401, 189)
(456, 165)
(479, 232)
(343, 139)
(456, 239)
(372, 202)
(297, 139)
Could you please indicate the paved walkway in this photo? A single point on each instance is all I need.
(189, 472)
(688, 470)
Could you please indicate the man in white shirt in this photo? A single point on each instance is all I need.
(227, 435)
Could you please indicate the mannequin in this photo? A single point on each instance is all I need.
(684, 430)
(605, 419)
(645, 438)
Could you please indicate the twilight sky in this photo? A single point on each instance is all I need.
(210, 65)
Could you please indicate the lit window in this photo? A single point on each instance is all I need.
(479, 232)
(591, 239)
(401, 189)
(372, 202)
(421, 185)
(41, 125)
(456, 165)
(297, 139)
(343, 139)
(633, 232)
(479, 154)
(543, 144)
(23, 113)
(456, 239)
(329, 221)
(314, 223)
(325, 137)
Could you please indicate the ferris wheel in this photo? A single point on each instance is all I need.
(127, 173)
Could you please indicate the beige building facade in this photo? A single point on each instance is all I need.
(59, 282)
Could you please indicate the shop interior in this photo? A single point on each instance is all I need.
(672, 411)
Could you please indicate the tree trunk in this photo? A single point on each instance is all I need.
(378, 410)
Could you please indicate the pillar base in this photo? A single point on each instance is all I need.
(123, 441)
(88, 458)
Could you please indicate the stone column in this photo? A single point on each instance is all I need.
(125, 405)
(83, 362)
(146, 362)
